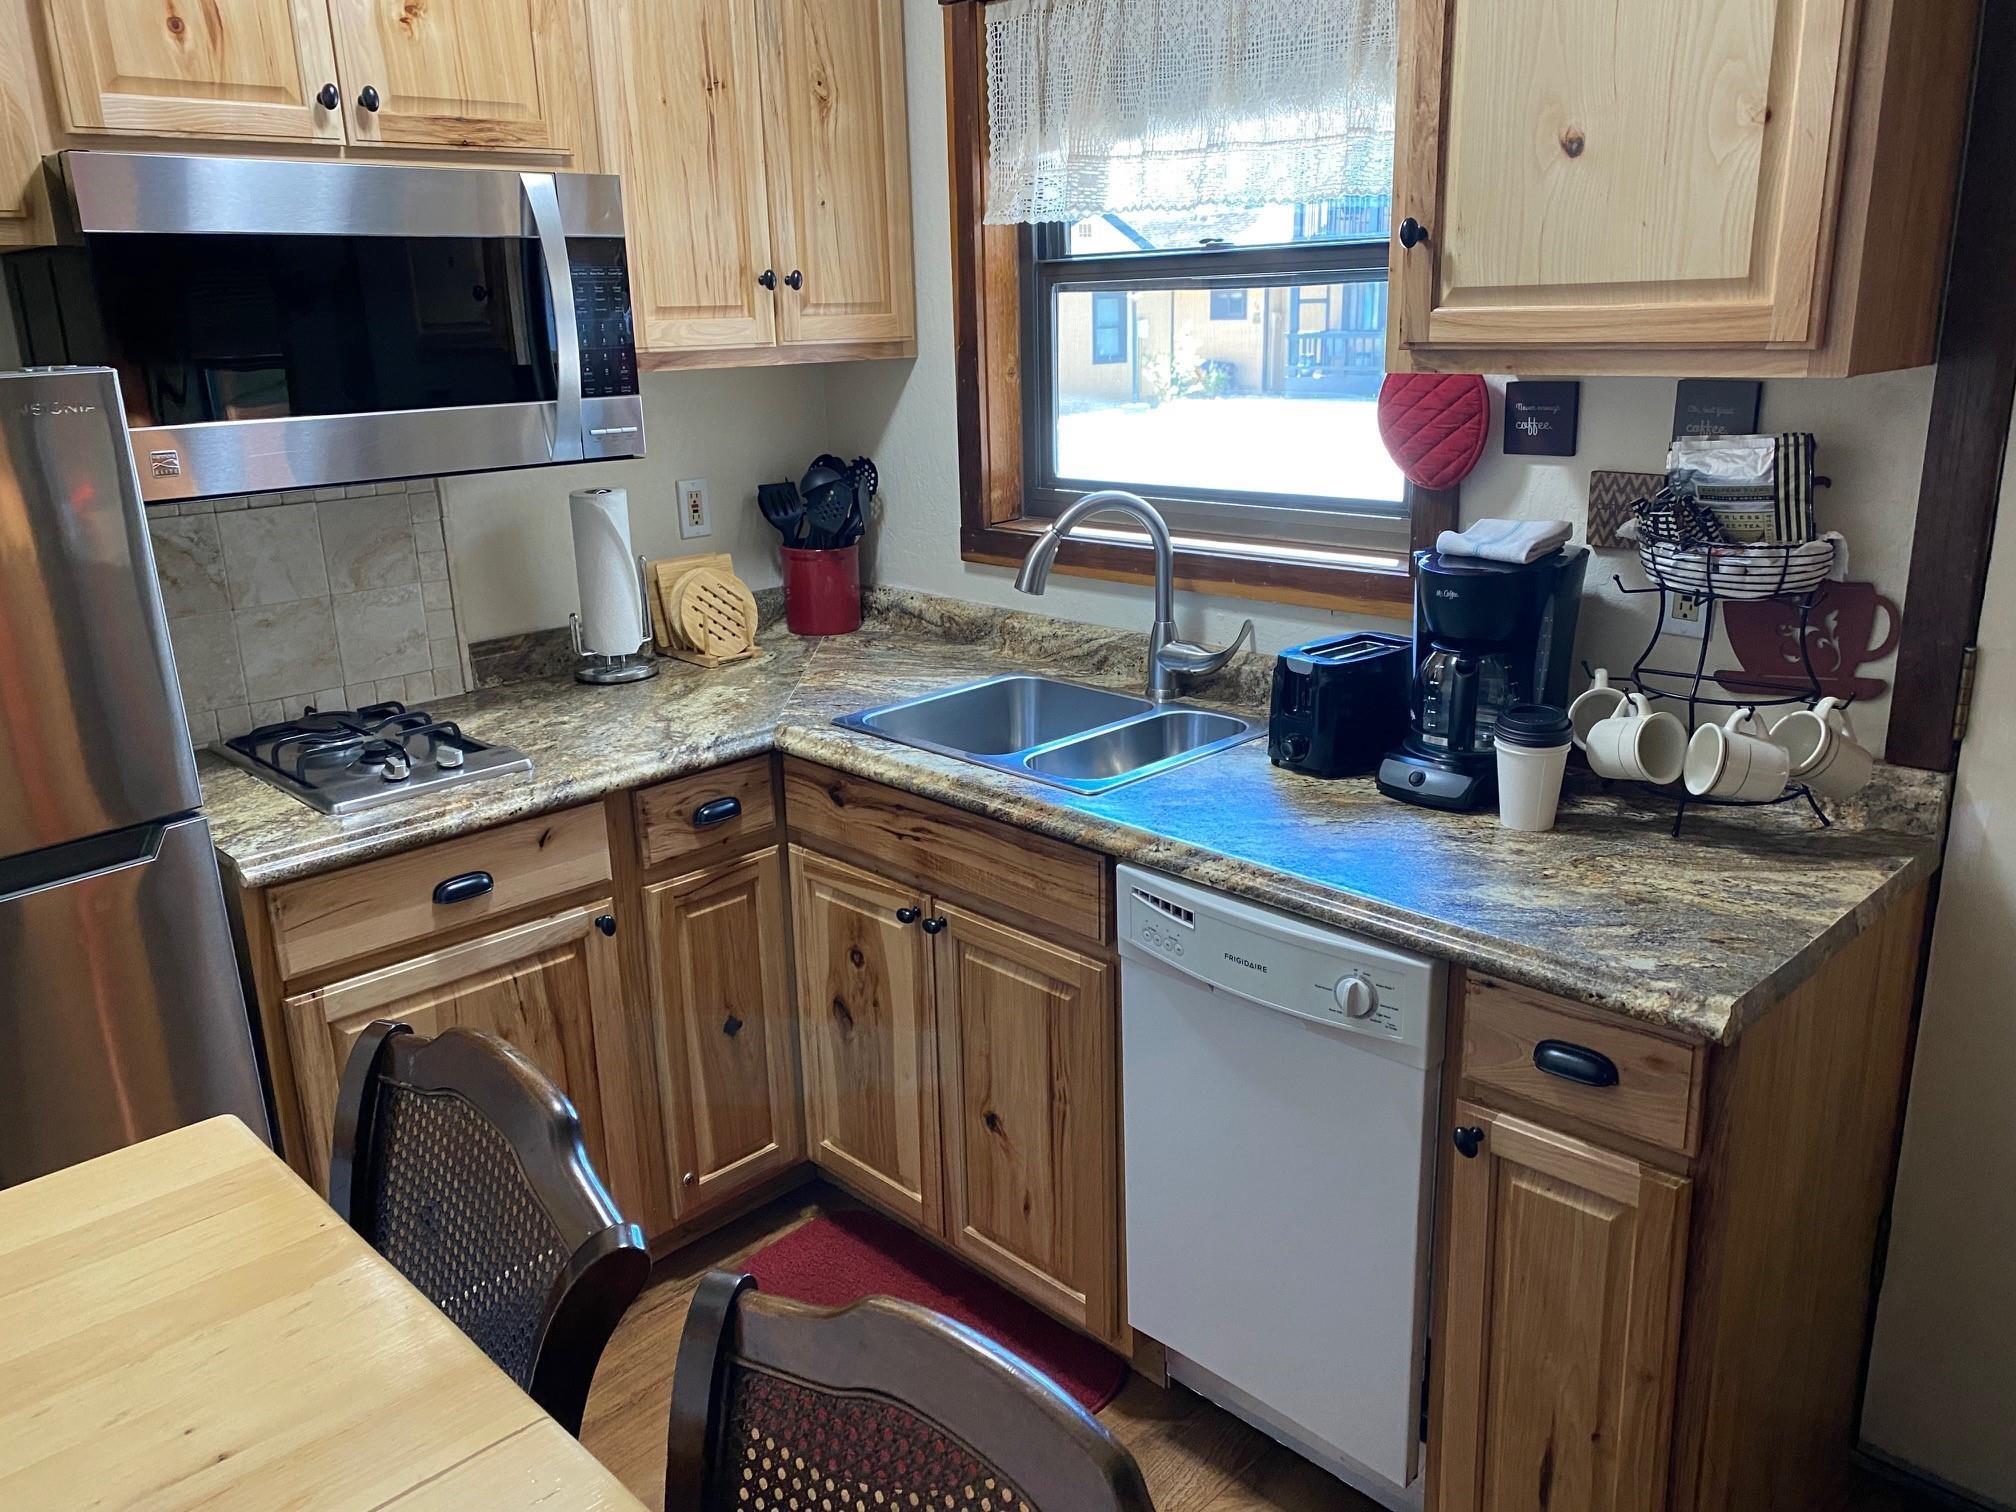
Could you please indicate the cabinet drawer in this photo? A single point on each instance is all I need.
(380, 904)
(1535, 1047)
(707, 813)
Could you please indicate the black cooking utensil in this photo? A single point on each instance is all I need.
(783, 508)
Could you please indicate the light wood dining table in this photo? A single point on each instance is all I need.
(184, 1323)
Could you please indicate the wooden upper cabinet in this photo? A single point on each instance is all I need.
(1558, 1351)
(869, 1034)
(458, 73)
(1602, 182)
(720, 986)
(20, 134)
(195, 68)
(839, 169)
(679, 99)
(1030, 1092)
(546, 987)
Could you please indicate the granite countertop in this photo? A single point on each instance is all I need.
(1697, 934)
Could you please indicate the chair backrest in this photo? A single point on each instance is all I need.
(463, 1164)
(778, 1405)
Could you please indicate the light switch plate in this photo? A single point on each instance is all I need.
(694, 519)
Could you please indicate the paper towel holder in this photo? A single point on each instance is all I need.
(604, 670)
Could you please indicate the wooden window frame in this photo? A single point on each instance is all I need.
(996, 527)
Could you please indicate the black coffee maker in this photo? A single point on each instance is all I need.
(1487, 635)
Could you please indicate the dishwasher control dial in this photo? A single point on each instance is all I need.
(1356, 995)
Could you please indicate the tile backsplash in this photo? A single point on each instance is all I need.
(332, 596)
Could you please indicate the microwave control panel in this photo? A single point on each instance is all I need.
(602, 315)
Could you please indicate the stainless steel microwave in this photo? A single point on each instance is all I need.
(281, 324)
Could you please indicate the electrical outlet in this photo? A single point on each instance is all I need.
(694, 519)
(1687, 616)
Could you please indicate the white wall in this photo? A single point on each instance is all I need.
(510, 549)
(1872, 437)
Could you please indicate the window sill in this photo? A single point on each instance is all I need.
(1386, 594)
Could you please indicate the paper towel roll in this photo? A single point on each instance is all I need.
(605, 569)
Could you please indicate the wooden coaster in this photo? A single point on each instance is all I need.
(714, 614)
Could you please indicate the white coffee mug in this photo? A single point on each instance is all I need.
(1596, 702)
(1736, 759)
(1822, 748)
(1634, 744)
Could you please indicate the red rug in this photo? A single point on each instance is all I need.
(844, 1257)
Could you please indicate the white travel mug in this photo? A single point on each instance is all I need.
(1533, 741)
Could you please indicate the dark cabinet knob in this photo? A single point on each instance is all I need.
(794, 279)
(1412, 232)
(732, 1027)
(716, 811)
(461, 889)
(1575, 1063)
(606, 923)
(327, 97)
(767, 278)
(909, 915)
(934, 925)
(1468, 1141)
(369, 99)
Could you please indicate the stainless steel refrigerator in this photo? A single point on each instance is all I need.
(122, 1014)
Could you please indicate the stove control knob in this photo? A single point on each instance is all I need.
(397, 767)
(448, 756)
(1356, 996)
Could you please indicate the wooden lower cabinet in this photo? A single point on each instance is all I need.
(1562, 1336)
(551, 987)
(865, 1015)
(721, 992)
(1029, 1105)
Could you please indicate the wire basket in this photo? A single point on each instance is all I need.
(1759, 571)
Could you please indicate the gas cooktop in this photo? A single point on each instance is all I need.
(344, 760)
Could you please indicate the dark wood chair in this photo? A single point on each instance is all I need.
(777, 1405)
(462, 1163)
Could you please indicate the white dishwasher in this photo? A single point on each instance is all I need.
(1279, 1090)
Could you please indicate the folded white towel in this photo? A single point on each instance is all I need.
(1506, 540)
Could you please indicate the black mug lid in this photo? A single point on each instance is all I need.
(1535, 726)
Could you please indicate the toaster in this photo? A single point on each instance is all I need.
(1340, 704)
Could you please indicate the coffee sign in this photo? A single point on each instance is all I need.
(1716, 407)
(1540, 418)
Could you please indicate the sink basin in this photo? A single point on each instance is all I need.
(999, 716)
(1088, 740)
(1137, 745)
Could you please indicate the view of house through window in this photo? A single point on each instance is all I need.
(1232, 353)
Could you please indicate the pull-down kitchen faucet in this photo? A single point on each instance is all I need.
(1167, 656)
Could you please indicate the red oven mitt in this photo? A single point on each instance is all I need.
(1435, 425)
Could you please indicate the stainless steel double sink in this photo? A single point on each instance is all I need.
(1088, 740)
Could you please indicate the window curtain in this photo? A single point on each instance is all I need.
(1107, 106)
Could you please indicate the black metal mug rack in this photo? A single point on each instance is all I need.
(1685, 686)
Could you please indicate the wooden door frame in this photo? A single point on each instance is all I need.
(1968, 434)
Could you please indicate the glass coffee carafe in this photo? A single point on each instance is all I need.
(1458, 696)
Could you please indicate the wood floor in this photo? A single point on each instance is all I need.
(1196, 1458)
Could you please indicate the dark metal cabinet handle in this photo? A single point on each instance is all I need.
(606, 923)
(794, 279)
(732, 1027)
(327, 97)
(934, 925)
(369, 99)
(1575, 1063)
(461, 889)
(1468, 1141)
(909, 915)
(716, 811)
(1412, 232)
(767, 278)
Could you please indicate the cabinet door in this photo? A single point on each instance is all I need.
(680, 104)
(1605, 171)
(871, 1053)
(458, 73)
(20, 136)
(546, 987)
(1560, 1345)
(1028, 1066)
(719, 984)
(224, 68)
(839, 169)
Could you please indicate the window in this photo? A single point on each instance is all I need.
(1109, 329)
(1225, 363)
